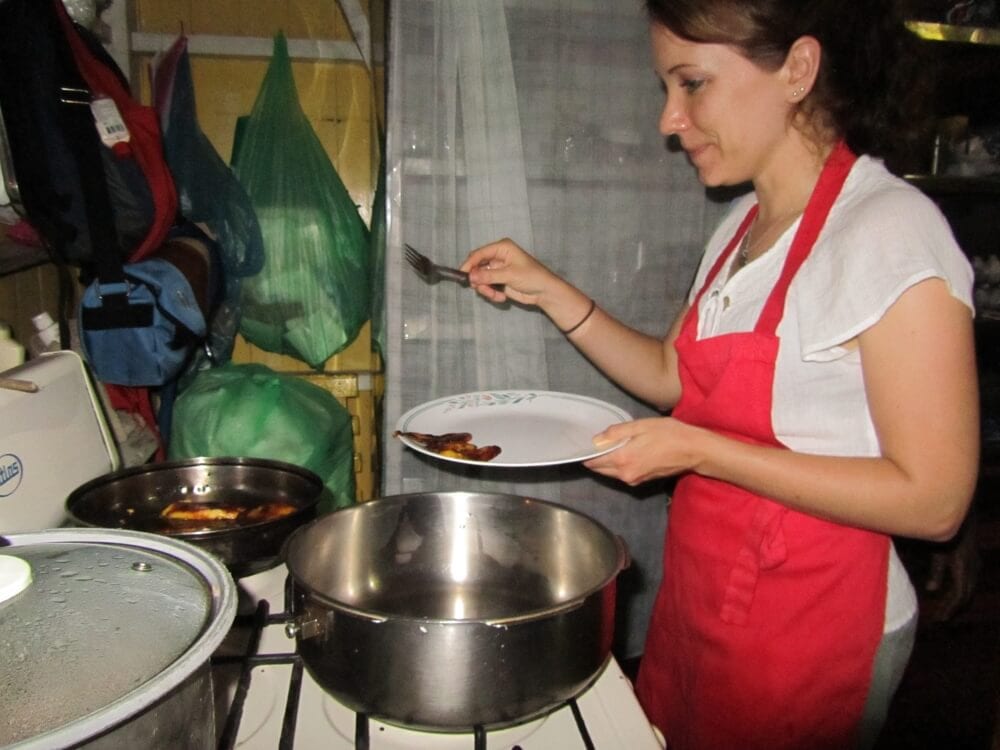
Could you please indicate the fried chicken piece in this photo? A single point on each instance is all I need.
(453, 445)
(270, 511)
(188, 516)
(200, 512)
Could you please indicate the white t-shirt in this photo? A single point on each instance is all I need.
(882, 236)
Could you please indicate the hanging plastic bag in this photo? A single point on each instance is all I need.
(312, 297)
(208, 190)
(250, 410)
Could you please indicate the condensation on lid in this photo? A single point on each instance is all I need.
(98, 622)
(15, 575)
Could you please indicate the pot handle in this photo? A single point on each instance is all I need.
(304, 627)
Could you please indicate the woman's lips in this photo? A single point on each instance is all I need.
(694, 152)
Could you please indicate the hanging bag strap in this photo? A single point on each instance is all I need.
(115, 310)
(77, 122)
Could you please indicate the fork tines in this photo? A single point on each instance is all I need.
(417, 259)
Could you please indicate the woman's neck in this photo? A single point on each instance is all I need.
(783, 188)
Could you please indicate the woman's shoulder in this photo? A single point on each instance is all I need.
(879, 218)
(882, 237)
(873, 198)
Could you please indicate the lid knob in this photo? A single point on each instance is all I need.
(15, 576)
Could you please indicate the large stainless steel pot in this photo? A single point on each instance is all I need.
(454, 610)
(134, 498)
(106, 639)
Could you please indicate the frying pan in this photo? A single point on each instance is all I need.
(134, 499)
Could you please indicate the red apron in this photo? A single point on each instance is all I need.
(766, 624)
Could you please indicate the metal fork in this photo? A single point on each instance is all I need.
(433, 272)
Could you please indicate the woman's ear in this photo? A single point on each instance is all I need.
(802, 66)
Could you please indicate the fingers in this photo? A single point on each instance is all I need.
(613, 434)
(501, 271)
(608, 464)
(653, 448)
(494, 293)
(493, 255)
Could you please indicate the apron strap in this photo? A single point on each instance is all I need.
(730, 248)
(831, 180)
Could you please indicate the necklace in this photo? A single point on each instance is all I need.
(743, 254)
(774, 229)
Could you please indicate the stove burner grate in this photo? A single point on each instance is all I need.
(249, 659)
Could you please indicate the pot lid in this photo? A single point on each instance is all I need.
(102, 616)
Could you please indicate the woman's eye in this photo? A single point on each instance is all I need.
(692, 84)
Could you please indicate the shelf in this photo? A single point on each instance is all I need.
(360, 48)
(943, 32)
(16, 257)
(955, 184)
(242, 46)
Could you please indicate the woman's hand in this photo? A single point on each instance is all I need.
(523, 278)
(657, 447)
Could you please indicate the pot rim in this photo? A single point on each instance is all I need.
(183, 463)
(307, 507)
(622, 561)
(224, 596)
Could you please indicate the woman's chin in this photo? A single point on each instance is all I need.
(710, 179)
(716, 178)
(708, 175)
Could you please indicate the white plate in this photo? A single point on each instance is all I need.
(532, 428)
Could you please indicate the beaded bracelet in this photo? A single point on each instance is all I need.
(590, 311)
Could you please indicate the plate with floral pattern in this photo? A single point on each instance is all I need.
(531, 428)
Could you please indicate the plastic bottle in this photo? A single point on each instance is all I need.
(46, 338)
(11, 352)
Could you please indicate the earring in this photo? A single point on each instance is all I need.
(799, 91)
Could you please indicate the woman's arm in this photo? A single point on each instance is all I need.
(643, 365)
(920, 378)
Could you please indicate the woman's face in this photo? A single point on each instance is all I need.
(729, 115)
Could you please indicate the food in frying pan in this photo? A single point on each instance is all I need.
(188, 516)
(452, 445)
(200, 512)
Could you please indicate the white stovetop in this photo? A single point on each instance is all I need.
(609, 708)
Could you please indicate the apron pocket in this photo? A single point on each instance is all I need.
(764, 548)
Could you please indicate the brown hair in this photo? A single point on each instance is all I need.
(873, 86)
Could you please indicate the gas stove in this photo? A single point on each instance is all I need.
(266, 699)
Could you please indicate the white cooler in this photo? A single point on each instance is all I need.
(51, 441)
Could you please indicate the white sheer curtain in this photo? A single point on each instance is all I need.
(535, 120)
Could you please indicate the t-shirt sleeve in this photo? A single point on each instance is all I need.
(869, 253)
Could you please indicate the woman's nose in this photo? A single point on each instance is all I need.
(673, 120)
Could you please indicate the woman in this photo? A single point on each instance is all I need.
(821, 379)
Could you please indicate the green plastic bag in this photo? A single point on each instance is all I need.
(313, 294)
(250, 410)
